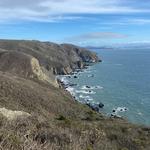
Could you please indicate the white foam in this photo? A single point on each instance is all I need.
(120, 109)
(90, 75)
(98, 87)
(91, 87)
(64, 80)
(71, 90)
(85, 92)
(81, 96)
(139, 113)
(66, 75)
(87, 71)
(86, 97)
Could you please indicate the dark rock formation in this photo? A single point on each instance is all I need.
(95, 107)
(75, 77)
(101, 105)
(88, 87)
(113, 110)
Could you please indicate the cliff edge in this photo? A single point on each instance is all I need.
(59, 59)
(36, 114)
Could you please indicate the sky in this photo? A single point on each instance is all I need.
(81, 22)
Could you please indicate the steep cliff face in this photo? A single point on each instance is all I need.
(24, 65)
(59, 59)
(80, 54)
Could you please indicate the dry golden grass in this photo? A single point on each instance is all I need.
(56, 120)
(73, 135)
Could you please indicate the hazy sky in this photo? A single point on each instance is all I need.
(84, 22)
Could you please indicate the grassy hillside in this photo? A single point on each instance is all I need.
(35, 114)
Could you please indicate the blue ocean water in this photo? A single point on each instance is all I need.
(121, 80)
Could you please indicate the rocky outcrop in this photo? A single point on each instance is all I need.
(23, 65)
(13, 115)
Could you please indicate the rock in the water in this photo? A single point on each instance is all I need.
(113, 110)
(75, 77)
(95, 107)
(101, 105)
(88, 87)
(72, 84)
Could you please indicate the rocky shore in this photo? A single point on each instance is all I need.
(68, 86)
(36, 114)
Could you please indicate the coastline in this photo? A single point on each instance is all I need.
(57, 119)
(68, 87)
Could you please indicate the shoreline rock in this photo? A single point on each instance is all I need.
(95, 107)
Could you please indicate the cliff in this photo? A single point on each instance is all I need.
(35, 114)
(25, 66)
(59, 59)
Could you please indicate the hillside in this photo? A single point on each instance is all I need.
(60, 59)
(36, 114)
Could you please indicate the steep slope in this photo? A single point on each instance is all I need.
(23, 65)
(35, 114)
(43, 99)
(51, 119)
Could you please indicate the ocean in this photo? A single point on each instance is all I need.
(121, 82)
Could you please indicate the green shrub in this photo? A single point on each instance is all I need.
(61, 117)
(66, 121)
(91, 115)
(89, 148)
